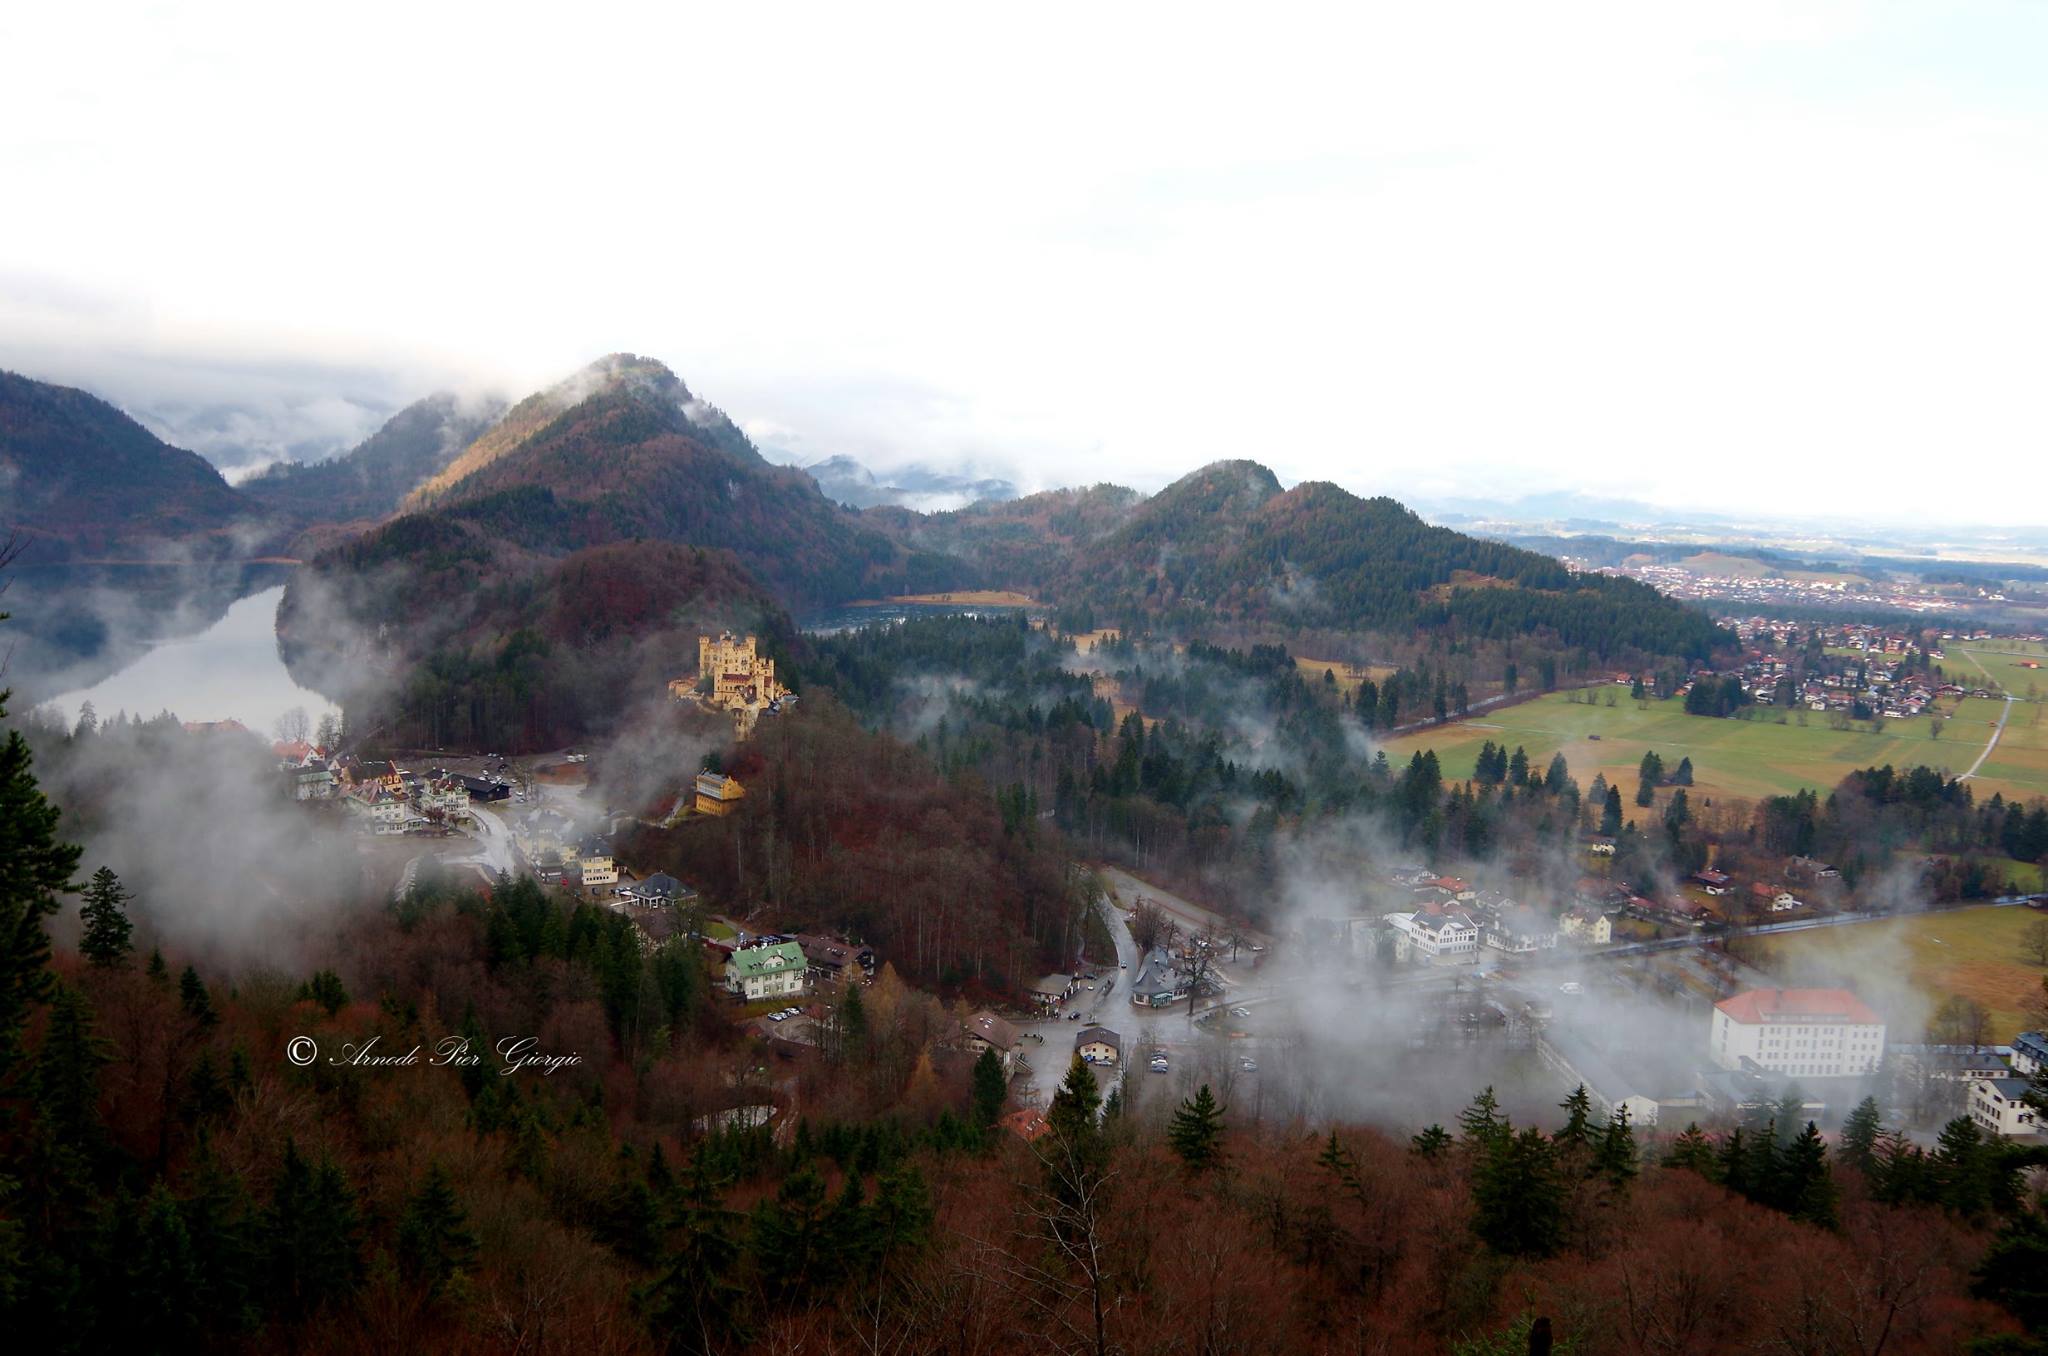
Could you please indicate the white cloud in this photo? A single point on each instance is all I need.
(1712, 255)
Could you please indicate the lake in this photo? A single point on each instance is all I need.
(835, 620)
(228, 671)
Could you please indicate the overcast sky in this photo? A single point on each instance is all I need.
(1735, 256)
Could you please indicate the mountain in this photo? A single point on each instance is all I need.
(370, 480)
(844, 480)
(81, 480)
(623, 451)
(1228, 542)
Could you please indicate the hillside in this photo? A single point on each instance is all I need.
(81, 480)
(1018, 543)
(433, 634)
(369, 481)
(1226, 543)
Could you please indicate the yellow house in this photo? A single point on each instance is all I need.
(717, 795)
(1586, 925)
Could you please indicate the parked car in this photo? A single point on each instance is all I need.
(1158, 1066)
(1571, 986)
(1248, 1064)
(1240, 1011)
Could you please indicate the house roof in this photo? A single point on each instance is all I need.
(768, 960)
(994, 1030)
(1026, 1123)
(1089, 1035)
(2032, 1044)
(1053, 984)
(660, 884)
(1799, 1005)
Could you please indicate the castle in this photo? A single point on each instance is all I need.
(741, 680)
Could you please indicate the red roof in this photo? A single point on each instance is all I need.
(1027, 1123)
(1799, 1005)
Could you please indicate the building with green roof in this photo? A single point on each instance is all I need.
(767, 971)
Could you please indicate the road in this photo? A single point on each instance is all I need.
(1049, 1042)
(493, 844)
(1996, 730)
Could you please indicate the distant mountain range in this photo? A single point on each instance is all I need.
(534, 550)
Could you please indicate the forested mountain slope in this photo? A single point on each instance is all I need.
(369, 481)
(81, 480)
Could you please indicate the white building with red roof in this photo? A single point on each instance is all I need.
(1802, 1033)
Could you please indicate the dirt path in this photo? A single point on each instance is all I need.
(2004, 714)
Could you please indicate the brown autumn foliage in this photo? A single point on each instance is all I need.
(850, 831)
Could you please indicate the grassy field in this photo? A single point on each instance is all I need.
(1746, 758)
(1977, 953)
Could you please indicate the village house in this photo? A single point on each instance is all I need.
(661, 890)
(1098, 1045)
(366, 777)
(1804, 1033)
(1156, 985)
(1049, 991)
(986, 1031)
(2000, 1106)
(594, 862)
(717, 795)
(1583, 923)
(2029, 1052)
(832, 960)
(1517, 930)
(444, 799)
(773, 971)
(1026, 1123)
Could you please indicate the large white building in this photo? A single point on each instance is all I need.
(1802, 1033)
(1435, 935)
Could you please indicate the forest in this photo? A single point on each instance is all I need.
(481, 1117)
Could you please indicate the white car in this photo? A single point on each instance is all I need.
(1248, 1064)
(1240, 1012)
(1571, 986)
(1158, 1066)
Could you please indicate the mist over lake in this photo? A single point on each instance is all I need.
(231, 670)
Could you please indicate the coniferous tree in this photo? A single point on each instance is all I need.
(325, 988)
(194, 998)
(35, 867)
(1731, 1162)
(105, 939)
(311, 1235)
(694, 1303)
(1691, 1151)
(157, 970)
(1481, 1123)
(1807, 1185)
(1859, 1135)
(1195, 1131)
(1517, 1196)
(1616, 1159)
(1578, 1123)
(1432, 1142)
(2014, 1270)
(161, 1281)
(434, 1240)
(991, 1088)
(1610, 813)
